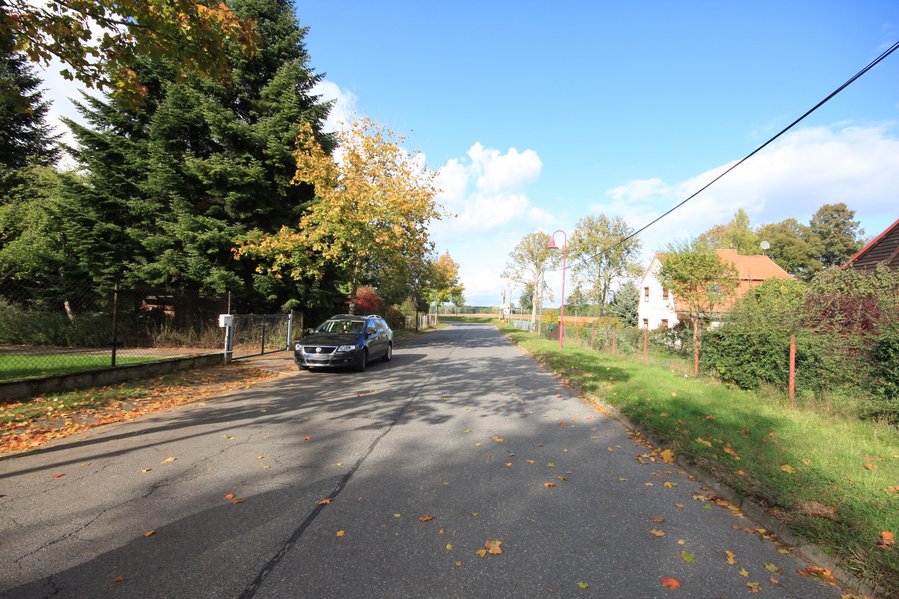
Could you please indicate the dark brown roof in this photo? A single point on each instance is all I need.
(883, 249)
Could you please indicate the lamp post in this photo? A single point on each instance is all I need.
(553, 246)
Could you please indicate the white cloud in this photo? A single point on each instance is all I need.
(343, 111)
(792, 178)
(485, 194)
(487, 190)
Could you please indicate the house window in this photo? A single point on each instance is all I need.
(664, 324)
(664, 293)
(645, 323)
(646, 294)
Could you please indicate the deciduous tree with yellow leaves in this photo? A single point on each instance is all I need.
(373, 203)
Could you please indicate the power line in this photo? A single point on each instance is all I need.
(849, 82)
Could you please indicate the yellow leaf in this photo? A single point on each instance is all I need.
(169, 460)
(149, 533)
(482, 552)
(493, 547)
(341, 533)
(788, 469)
(731, 558)
(657, 533)
(744, 572)
(668, 456)
(449, 547)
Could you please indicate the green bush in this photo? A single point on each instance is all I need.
(395, 318)
(21, 326)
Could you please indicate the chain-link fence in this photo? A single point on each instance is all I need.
(54, 331)
(256, 334)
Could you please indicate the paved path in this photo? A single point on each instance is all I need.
(461, 426)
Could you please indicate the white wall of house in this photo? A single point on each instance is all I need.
(655, 310)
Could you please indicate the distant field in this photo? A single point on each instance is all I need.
(14, 366)
(477, 318)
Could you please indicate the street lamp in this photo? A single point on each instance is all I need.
(552, 246)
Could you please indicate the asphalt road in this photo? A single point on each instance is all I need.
(460, 426)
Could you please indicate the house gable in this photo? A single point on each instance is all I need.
(883, 249)
(658, 308)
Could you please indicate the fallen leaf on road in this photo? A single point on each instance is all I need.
(773, 580)
(550, 465)
(118, 579)
(229, 437)
(773, 568)
(754, 587)
(146, 470)
(508, 464)
(744, 572)
(449, 547)
(149, 533)
(493, 547)
(562, 478)
(681, 542)
(60, 475)
(482, 552)
(457, 564)
(817, 572)
(238, 500)
(325, 501)
(671, 583)
(307, 438)
(340, 533)
(687, 556)
(425, 518)
(548, 485)
(397, 516)
(679, 506)
(731, 558)
(169, 460)
(498, 439)
(668, 456)
(657, 533)
(468, 430)
(582, 585)
(531, 461)
(658, 519)
(229, 496)
(669, 485)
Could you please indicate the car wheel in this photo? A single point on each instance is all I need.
(363, 361)
(389, 355)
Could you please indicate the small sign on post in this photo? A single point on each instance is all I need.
(226, 321)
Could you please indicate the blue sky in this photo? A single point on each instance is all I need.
(536, 114)
(539, 113)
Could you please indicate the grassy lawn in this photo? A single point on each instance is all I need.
(782, 457)
(462, 318)
(19, 366)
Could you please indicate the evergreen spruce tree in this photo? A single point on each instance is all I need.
(25, 136)
(205, 164)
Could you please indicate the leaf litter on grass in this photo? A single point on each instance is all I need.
(28, 424)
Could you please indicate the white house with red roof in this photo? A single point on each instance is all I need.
(659, 308)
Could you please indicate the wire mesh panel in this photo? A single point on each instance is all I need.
(46, 331)
(255, 334)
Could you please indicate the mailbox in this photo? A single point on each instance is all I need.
(226, 320)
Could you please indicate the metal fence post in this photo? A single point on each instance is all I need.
(263, 337)
(792, 382)
(115, 328)
(289, 329)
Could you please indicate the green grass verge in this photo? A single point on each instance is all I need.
(474, 319)
(20, 366)
(759, 446)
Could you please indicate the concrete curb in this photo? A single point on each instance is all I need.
(801, 547)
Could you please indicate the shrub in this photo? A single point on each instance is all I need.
(395, 318)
